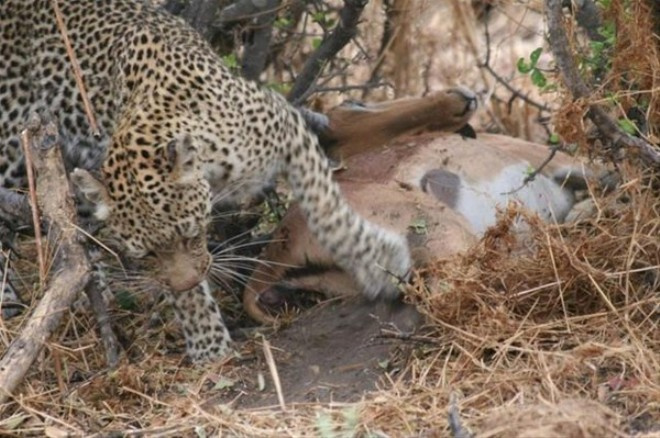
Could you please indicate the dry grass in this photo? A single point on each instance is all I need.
(566, 333)
(561, 340)
(558, 340)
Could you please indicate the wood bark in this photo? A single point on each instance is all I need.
(71, 270)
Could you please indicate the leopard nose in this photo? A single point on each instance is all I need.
(181, 271)
(184, 282)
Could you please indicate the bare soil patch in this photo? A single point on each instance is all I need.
(333, 352)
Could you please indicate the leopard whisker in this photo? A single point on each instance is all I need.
(228, 273)
(256, 260)
(222, 250)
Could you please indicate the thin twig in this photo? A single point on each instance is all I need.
(273, 372)
(26, 143)
(402, 336)
(532, 175)
(77, 73)
(516, 93)
(108, 337)
(560, 47)
(342, 88)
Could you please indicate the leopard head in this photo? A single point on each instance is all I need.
(156, 205)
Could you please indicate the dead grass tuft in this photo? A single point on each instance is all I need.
(562, 321)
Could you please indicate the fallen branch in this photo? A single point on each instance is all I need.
(560, 46)
(71, 273)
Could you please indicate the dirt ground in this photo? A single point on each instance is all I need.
(334, 352)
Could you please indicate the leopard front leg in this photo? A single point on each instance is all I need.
(206, 335)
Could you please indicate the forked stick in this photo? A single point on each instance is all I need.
(72, 269)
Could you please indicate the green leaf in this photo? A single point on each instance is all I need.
(538, 78)
(319, 17)
(126, 300)
(283, 23)
(534, 57)
(628, 126)
(316, 43)
(280, 88)
(551, 86)
(523, 67)
(351, 417)
(230, 60)
(554, 138)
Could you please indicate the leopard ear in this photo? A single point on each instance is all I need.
(182, 156)
(94, 191)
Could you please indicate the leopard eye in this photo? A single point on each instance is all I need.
(135, 252)
(193, 242)
(189, 231)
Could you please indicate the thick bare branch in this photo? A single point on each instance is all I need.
(201, 15)
(256, 50)
(340, 36)
(560, 46)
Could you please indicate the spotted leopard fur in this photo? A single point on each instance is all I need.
(177, 130)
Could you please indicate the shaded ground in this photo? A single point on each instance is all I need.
(333, 352)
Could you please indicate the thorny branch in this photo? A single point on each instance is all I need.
(560, 47)
(244, 9)
(345, 30)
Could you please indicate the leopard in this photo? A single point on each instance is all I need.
(177, 131)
